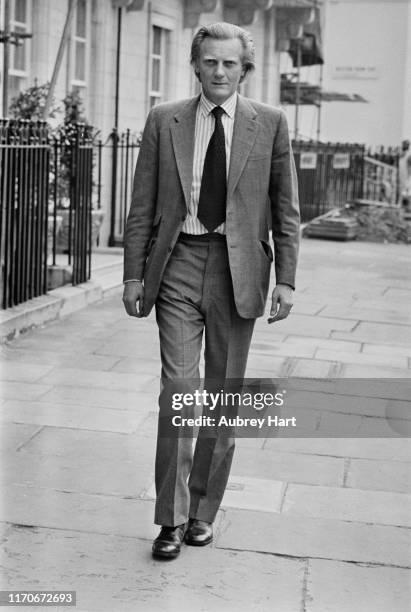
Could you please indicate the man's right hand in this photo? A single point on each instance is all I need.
(133, 293)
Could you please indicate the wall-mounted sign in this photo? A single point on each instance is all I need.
(308, 161)
(355, 72)
(341, 161)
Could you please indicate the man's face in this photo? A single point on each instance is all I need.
(220, 68)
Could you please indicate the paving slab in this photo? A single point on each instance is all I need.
(336, 425)
(267, 363)
(313, 368)
(127, 478)
(379, 333)
(365, 312)
(364, 371)
(398, 449)
(44, 507)
(22, 390)
(386, 349)
(367, 359)
(76, 416)
(345, 404)
(116, 399)
(325, 343)
(57, 358)
(96, 378)
(284, 348)
(379, 475)
(288, 467)
(118, 573)
(348, 587)
(379, 507)
(307, 537)
(147, 348)
(14, 435)
(137, 365)
(87, 444)
(31, 372)
(45, 342)
(306, 325)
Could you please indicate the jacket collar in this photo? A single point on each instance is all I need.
(182, 133)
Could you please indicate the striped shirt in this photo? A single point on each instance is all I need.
(204, 128)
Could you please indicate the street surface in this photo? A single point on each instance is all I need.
(307, 524)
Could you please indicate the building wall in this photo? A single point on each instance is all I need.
(48, 19)
(374, 35)
(406, 119)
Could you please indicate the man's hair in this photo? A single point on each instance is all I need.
(225, 31)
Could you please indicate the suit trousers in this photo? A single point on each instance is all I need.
(195, 299)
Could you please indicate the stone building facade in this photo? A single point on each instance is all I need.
(124, 56)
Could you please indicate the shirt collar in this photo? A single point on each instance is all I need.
(229, 105)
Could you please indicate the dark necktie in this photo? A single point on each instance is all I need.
(213, 190)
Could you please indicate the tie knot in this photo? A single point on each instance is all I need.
(218, 112)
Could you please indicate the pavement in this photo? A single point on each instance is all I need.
(307, 524)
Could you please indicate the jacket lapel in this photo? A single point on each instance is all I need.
(182, 134)
(244, 135)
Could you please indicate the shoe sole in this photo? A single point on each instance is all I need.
(194, 543)
(164, 555)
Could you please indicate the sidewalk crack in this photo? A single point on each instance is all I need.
(305, 594)
(30, 438)
(347, 465)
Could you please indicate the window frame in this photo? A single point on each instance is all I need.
(73, 82)
(161, 93)
(26, 27)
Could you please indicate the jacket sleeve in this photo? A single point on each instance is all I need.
(284, 206)
(143, 202)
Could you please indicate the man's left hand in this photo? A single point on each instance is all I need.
(281, 303)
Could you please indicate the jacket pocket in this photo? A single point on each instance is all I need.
(266, 247)
(154, 232)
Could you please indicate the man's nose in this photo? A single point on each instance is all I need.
(219, 71)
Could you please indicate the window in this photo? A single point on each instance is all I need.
(20, 18)
(79, 47)
(159, 50)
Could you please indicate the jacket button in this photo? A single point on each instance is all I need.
(170, 248)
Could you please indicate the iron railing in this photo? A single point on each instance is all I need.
(380, 182)
(124, 149)
(24, 162)
(329, 176)
(46, 187)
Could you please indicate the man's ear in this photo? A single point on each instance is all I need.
(243, 75)
(196, 70)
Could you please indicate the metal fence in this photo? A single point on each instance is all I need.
(124, 151)
(46, 188)
(329, 176)
(49, 179)
(386, 155)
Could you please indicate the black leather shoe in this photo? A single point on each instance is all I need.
(167, 544)
(199, 533)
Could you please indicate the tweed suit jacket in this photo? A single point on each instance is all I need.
(261, 193)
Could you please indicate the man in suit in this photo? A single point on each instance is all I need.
(213, 175)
